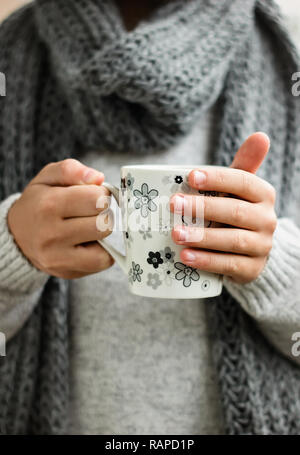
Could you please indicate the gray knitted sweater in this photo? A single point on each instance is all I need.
(141, 366)
(82, 88)
(110, 393)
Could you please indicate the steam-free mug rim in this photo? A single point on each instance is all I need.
(165, 167)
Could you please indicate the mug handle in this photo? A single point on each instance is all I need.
(119, 257)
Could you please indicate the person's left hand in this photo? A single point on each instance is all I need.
(240, 249)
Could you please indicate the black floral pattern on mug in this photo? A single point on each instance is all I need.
(167, 254)
(186, 273)
(178, 183)
(178, 179)
(163, 262)
(153, 280)
(135, 273)
(154, 259)
(144, 200)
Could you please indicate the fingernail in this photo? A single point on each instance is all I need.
(105, 221)
(199, 178)
(178, 202)
(182, 235)
(91, 176)
(189, 257)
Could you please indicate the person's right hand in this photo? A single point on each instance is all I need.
(60, 216)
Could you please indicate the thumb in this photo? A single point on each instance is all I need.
(67, 173)
(252, 153)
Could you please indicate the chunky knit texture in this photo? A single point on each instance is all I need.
(77, 80)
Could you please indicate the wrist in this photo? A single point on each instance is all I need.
(17, 274)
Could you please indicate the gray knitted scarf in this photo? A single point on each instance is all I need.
(76, 80)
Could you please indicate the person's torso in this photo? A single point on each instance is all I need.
(141, 365)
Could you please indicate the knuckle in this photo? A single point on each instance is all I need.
(271, 193)
(240, 242)
(238, 212)
(271, 222)
(231, 266)
(246, 182)
(67, 166)
(49, 166)
(220, 177)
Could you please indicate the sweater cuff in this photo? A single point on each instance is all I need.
(17, 274)
(278, 278)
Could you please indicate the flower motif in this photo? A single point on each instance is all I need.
(154, 259)
(153, 280)
(167, 273)
(167, 254)
(144, 200)
(129, 181)
(178, 179)
(182, 186)
(135, 273)
(145, 232)
(186, 273)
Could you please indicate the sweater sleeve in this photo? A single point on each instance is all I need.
(21, 284)
(273, 299)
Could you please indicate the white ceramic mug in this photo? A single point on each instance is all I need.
(152, 260)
